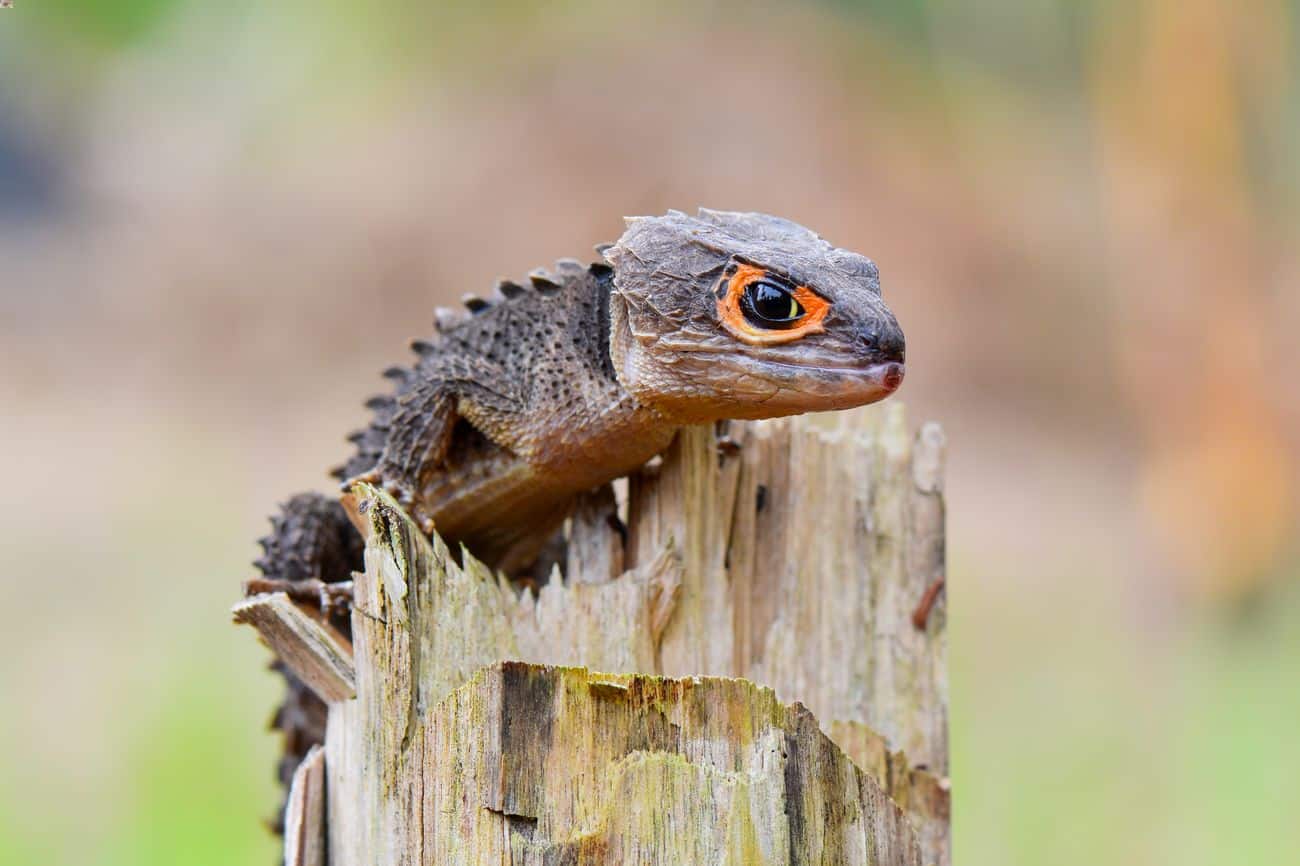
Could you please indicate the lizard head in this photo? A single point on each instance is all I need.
(743, 315)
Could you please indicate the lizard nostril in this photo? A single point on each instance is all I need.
(884, 342)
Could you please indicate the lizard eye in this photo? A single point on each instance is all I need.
(761, 308)
(767, 305)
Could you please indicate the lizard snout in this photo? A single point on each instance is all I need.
(884, 342)
(893, 377)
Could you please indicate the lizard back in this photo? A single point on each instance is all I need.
(539, 415)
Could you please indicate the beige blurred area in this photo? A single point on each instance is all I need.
(219, 222)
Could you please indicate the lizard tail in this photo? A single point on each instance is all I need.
(311, 539)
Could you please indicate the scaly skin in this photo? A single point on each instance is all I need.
(551, 389)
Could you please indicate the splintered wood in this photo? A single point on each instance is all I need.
(804, 556)
(315, 652)
(768, 562)
(807, 546)
(304, 816)
(537, 765)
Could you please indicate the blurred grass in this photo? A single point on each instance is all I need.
(1079, 745)
(135, 713)
(103, 24)
(1234, 749)
(195, 780)
(189, 778)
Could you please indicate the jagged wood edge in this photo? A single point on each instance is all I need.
(922, 794)
(315, 653)
(304, 818)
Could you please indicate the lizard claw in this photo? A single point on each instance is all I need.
(728, 447)
(422, 518)
(329, 598)
(412, 505)
(336, 598)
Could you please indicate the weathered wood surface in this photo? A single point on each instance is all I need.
(793, 553)
(923, 795)
(535, 765)
(304, 814)
(808, 545)
(316, 653)
(805, 554)
(526, 764)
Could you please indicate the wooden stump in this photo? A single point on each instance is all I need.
(803, 555)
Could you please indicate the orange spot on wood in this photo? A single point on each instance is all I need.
(921, 616)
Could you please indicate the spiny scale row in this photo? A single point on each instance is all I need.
(369, 440)
(288, 548)
(541, 280)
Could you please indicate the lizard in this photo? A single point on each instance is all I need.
(556, 386)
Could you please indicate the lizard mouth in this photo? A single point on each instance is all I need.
(772, 387)
(861, 384)
(888, 375)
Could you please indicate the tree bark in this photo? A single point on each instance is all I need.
(803, 555)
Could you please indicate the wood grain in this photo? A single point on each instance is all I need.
(304, 815)
(790, 553)
(316, 653)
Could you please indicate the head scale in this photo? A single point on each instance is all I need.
(744, 315)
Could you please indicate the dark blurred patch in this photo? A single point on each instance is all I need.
(28, 180)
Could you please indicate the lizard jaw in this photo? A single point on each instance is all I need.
(802, 388)
(700, 392)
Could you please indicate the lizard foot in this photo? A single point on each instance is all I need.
(330, 599)
(419, 515)
(412, 505)
(727, 447)
(403, 494)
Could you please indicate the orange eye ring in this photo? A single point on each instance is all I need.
(731, 313)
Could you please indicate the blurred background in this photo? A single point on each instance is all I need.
(219, 221)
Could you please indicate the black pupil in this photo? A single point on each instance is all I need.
(767, 304)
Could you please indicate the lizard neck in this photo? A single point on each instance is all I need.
(659, 389)
(597, 429)
(630, 421)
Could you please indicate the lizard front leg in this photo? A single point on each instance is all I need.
(419, 422)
